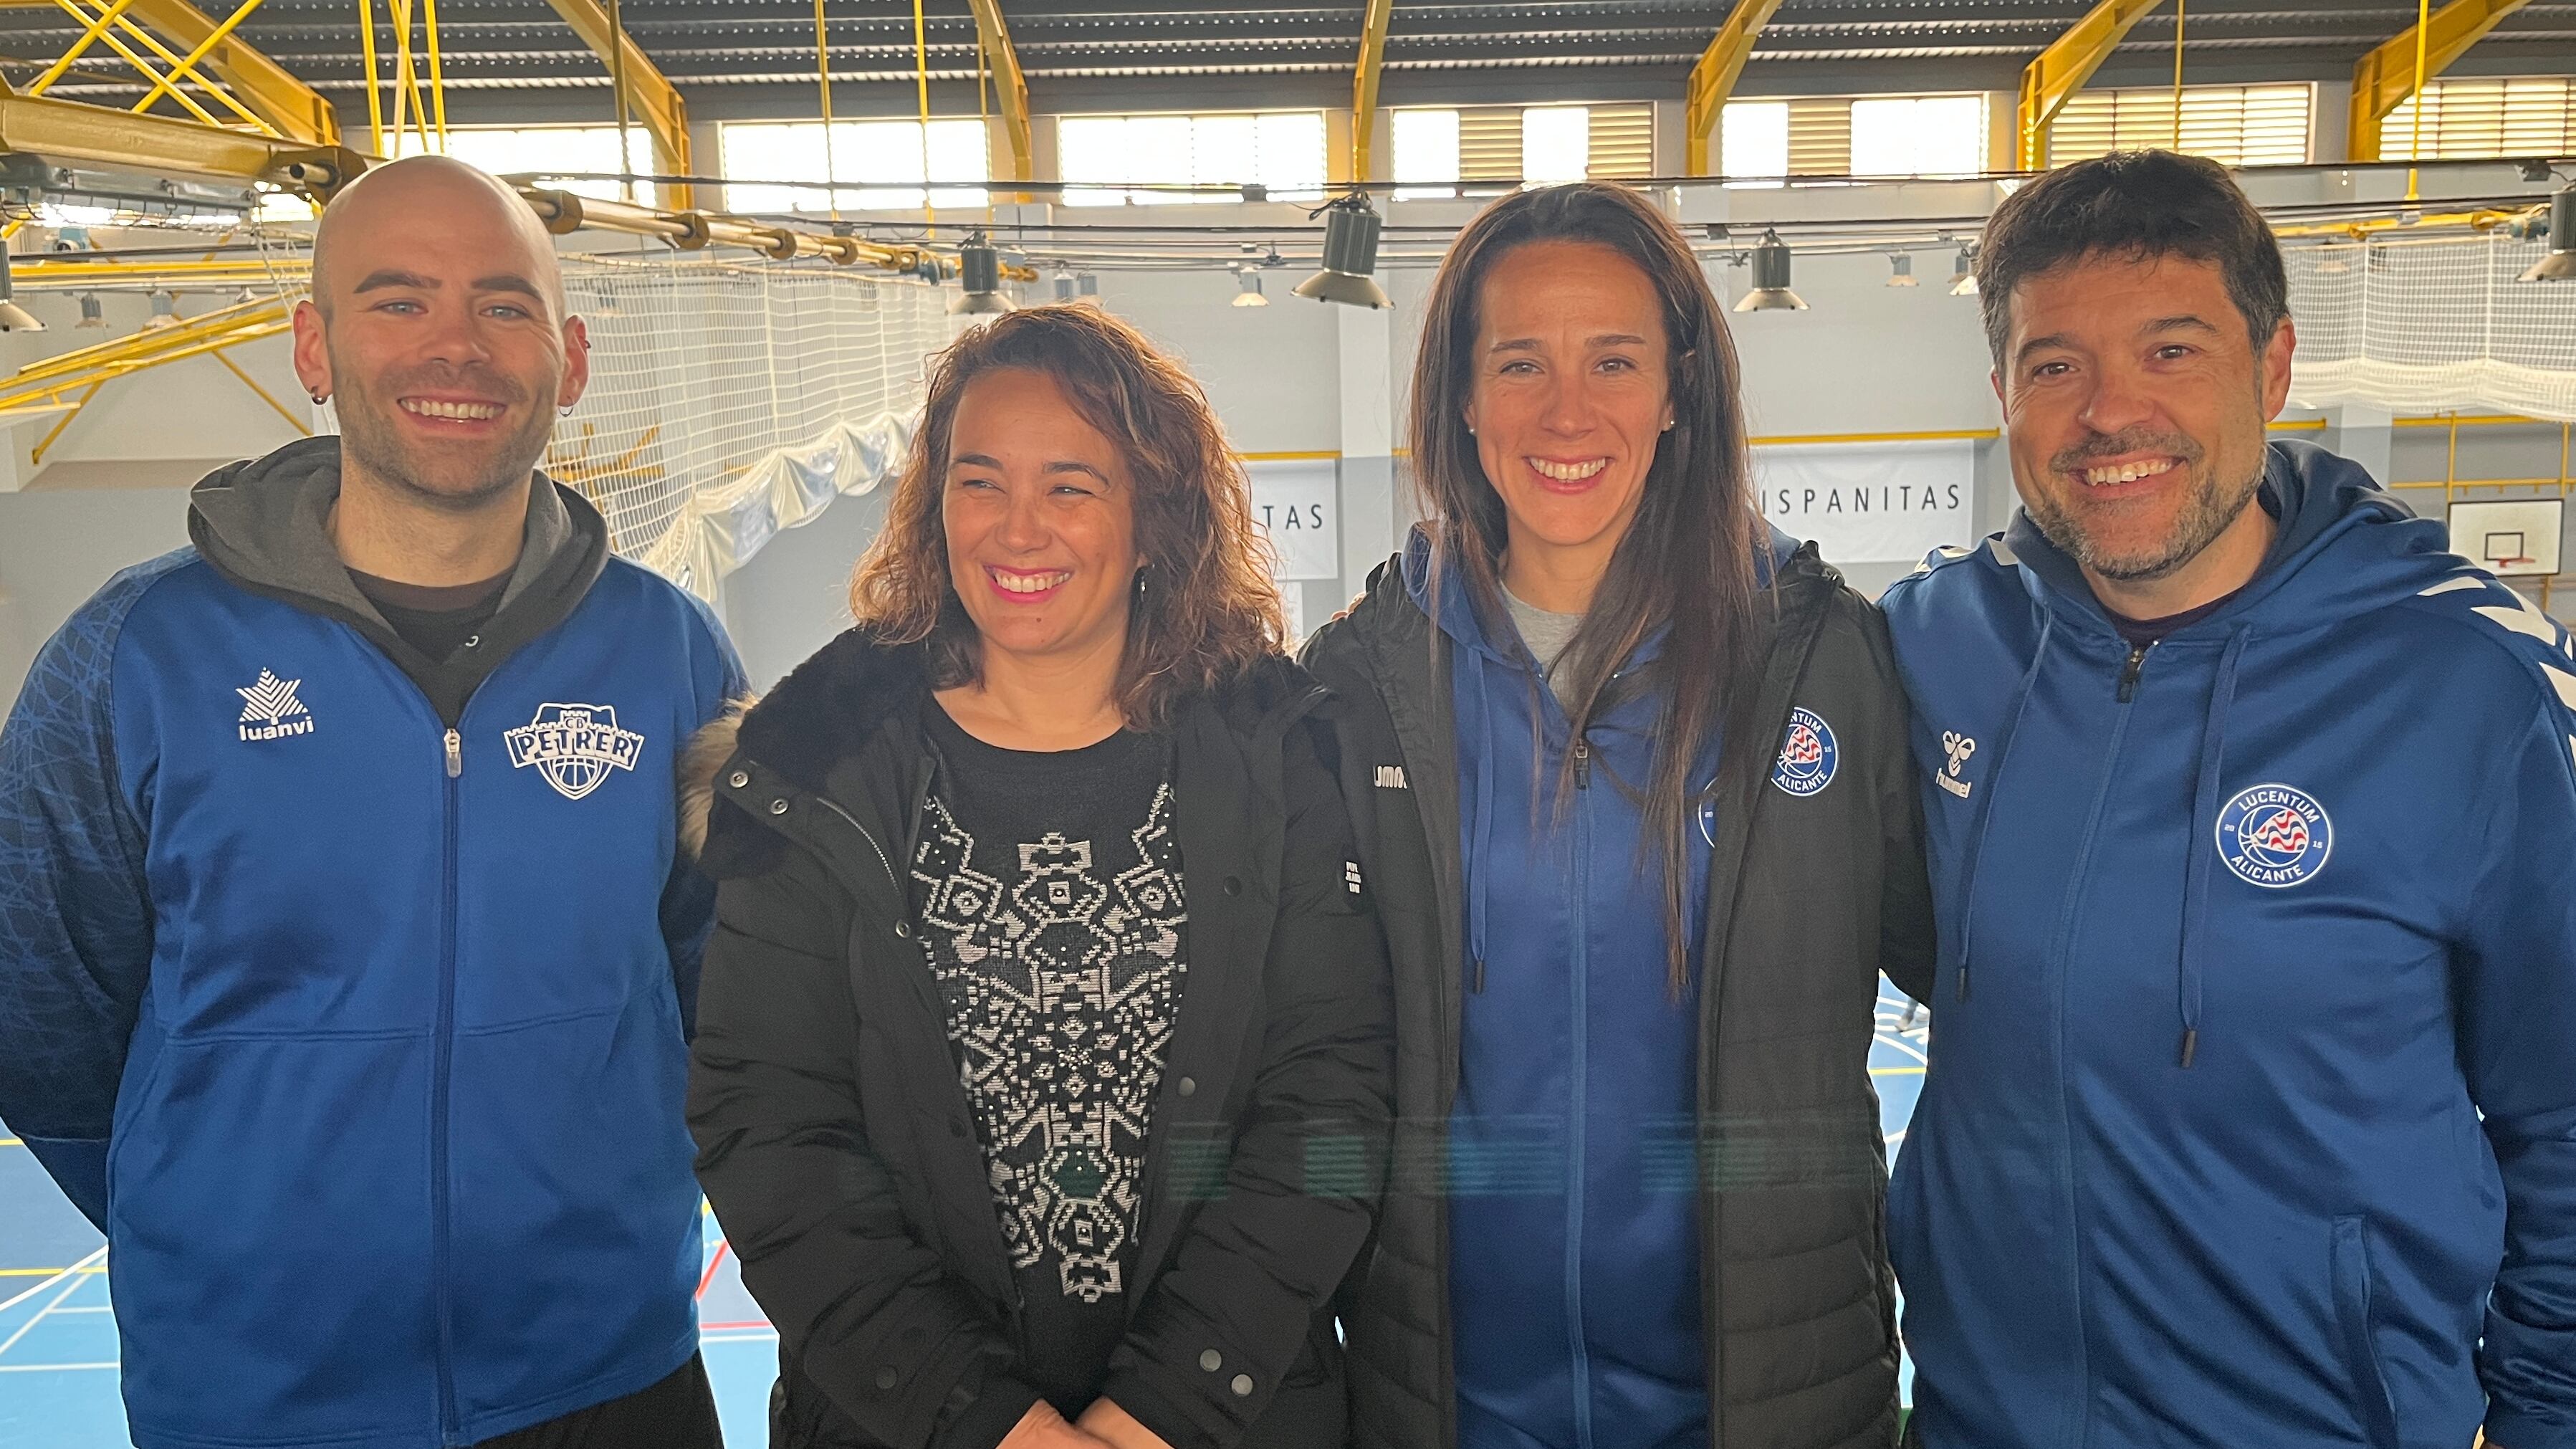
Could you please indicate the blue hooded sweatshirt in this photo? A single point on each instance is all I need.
(1574, 1233)
(2251, 1115)
(358, 1029)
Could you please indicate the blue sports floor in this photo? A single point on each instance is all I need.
(58, 1340)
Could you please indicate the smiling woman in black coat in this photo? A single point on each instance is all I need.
(1043, 1060)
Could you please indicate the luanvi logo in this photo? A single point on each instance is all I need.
(270, 710)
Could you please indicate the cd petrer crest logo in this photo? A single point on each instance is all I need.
(574, 746)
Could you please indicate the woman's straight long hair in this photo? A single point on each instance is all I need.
(1686, 565)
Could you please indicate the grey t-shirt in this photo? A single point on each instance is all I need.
(1545, 633)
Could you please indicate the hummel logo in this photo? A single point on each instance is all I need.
(1391, 777)
(271, 711)
(1960, 749)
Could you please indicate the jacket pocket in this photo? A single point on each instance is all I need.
(2353, 1286)
(270, 1231)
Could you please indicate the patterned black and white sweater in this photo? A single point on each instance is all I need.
(1048, 891)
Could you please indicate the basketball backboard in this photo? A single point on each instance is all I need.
(2510, 537)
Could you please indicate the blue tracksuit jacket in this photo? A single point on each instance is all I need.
(2251, 1116)
(1573, 1219)
(362, 1038)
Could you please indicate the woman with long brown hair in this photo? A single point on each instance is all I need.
(1630, 779)
(1042, 1053)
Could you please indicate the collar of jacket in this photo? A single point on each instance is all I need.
(1406, 658)
(812, 735)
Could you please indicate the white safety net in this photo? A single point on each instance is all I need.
(2418, 326)
(732, 397)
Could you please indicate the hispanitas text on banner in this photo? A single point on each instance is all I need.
(1869, 502)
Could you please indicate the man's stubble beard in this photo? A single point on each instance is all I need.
(367, 434)
(2213, 508)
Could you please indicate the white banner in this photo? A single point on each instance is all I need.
(1293, 501)
(1870, 502)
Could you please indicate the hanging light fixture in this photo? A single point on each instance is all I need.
(1085, 285)
(165, 310)
(92, 314)
(1963, 276)
(1351, 226)
(2560, 264)
(1250, 296)
(1063, 285)
(979, 273)
(13, 318)
(1900, 269)
(1771, 279)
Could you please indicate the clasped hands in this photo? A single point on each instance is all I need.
(1103, 1426)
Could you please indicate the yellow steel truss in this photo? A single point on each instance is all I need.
(2062, 69)
(1713, 79)
(2388, 75)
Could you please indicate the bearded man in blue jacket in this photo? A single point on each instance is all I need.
(345, 951)
(2251, 1117)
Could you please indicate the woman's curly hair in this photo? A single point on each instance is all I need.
(1209, 609)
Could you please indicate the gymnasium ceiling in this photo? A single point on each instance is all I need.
(515, 60)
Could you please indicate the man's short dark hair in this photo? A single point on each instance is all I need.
(2137, 206)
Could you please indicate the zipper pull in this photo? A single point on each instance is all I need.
(1477, 987)
(1961, 987)
(1582, 764)
(455, 754)
(2129, 671)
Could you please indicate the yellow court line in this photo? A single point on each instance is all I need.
(11, 1142)
(1896, 1071)
(49, 1272)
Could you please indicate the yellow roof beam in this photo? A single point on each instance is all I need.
(1009, 84)
(2386, 76)
(2062, 69)
(649, 95)
(268, 89)
(153, 145)
(1713, 79)
(1364, 87)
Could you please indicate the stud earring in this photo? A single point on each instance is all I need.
(1140, 583)
(563, 412)
(320, 398)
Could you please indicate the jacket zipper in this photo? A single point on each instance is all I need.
(2129, 671)
(1576, 1144)
(441, 1068)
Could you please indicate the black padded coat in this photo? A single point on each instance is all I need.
(835, 1138)
(1805, 908)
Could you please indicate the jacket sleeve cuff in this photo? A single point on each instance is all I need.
(2509, 1427)
(991, 1406)
(79, 1167)
(1178, 1416)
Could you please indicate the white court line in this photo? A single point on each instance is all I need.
(11, 1341)
(89, 1308)
(1906, 1047)
(47, 1368)
(72, 1271)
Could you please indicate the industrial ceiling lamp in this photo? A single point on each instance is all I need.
(1063, 285)
(1901, 265)
(1351, 226)
(13, 318)
(2560, 264)
(1770, 279)
(1086, 285)
(1250, 296)
(165, 310)
(1963, 276)
(979, 271)
(92, 314)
